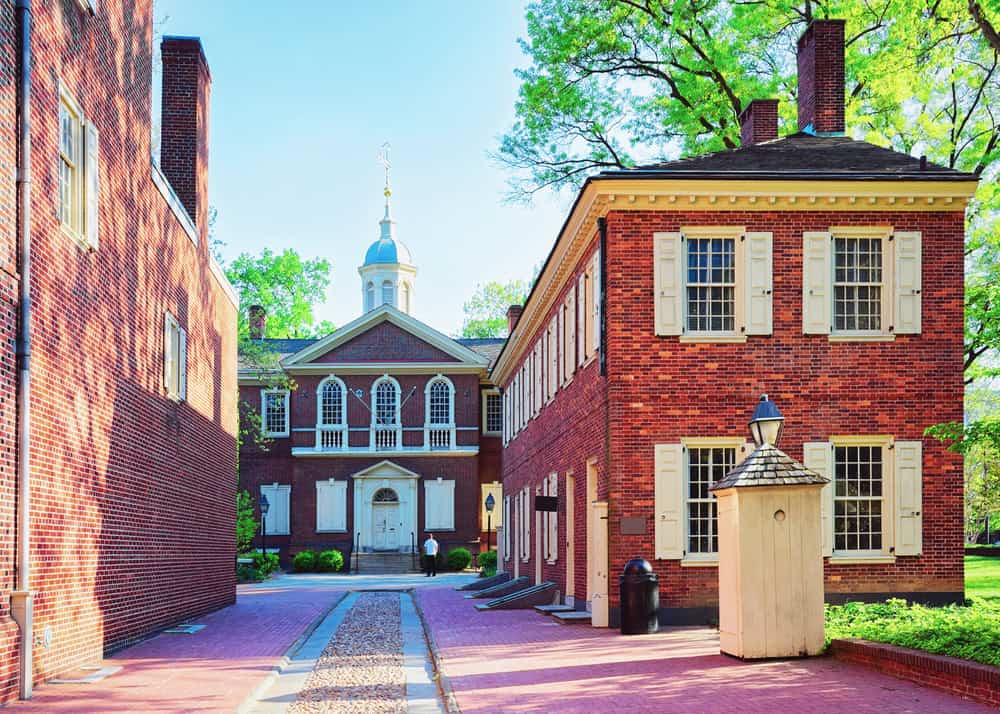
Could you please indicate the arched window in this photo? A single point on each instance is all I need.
(439, 401)
(385, 495)
(387, 293)
(370, 296)
(405, 307)
(331, 402)
(385, 409)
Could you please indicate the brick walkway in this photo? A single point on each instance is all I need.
(516, 661)
(211, 671)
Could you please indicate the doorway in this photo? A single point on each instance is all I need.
(385, 519)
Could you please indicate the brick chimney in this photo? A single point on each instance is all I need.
(257, 319)
(759, 122)
(184, 125)
(513, 315)
(821, 78)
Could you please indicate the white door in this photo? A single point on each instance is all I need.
(386, 526)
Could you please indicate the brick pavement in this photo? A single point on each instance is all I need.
(518, 660)
(211, 671)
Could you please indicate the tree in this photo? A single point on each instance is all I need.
(286, 286)
(486, 310)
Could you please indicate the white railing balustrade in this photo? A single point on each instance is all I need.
(331, 438)
(439, 438)
(386, 438)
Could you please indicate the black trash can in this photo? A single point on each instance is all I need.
(640, 598)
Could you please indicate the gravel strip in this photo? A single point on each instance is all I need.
(361, 670)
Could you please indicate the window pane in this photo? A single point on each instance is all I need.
(857, 290)
(705, 467)
(858, 498)
(711, 284)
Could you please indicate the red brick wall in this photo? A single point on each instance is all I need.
(133, 494)
(662, 390)
(386, 342)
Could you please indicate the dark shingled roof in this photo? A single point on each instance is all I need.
(799, 156)
(769, 466)
(488, 347)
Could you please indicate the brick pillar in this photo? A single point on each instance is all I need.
(513, 315)
(184, 125)
(759, 122)
(821, 77)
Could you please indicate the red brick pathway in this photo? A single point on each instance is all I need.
(518, 661)
(211, 671)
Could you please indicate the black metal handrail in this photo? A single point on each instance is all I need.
(357, 553)
(413, 550)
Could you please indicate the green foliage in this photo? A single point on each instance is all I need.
(982, 577)
(330, 561)
(304, 561)
(487, 559)
(265, 563)
(486, 310)
(459, 558)
(246, 521)
(971, 632)
(246, 573)
(286, 286)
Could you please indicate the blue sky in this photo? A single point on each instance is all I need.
(304, 95)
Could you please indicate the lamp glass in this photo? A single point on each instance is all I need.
(490, 503)
(766, 423)
(265, 506)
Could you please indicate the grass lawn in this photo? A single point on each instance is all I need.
(971, 632)
(982, 577)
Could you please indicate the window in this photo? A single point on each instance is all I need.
(439, 405)
(274, 412)
(711, 284)
(332, 405)
(174, 359)
(406, 298)
(857, 284)
(277, 519)
(386, 402)
(595, 303)
(569, 334)
(439, 505)
(581, 318)
(369, 296)
(857, 499)
(331, 506)
(705, 466)
(388, 298)
(493, 413)
(553, 361)
(78, 173)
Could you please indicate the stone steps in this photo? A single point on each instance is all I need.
(384, 564)
(551, 609)
(577, 617)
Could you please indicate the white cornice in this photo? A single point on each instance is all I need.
(386, 368)
(310, 452)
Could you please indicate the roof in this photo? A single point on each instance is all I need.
(799, 156)
(769, 466)
(488, 347)
(387, 250)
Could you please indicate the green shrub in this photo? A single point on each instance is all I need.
(304, 561)
(330, 561)
(265, 564)
(246, 573)
(459, 559)
(971, 632)
(488, 560)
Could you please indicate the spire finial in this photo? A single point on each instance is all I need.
(383, 158)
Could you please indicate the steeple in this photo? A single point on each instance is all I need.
(387, 274)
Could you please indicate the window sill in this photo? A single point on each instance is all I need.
(271, 435)
(861, 559)
(847, 337)
(342, 530)
(699, 563)
(720, 339)
(492, 433)
(77, 238)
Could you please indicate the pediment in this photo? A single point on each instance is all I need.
(385, 469)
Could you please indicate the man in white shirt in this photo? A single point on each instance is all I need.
(430, 555)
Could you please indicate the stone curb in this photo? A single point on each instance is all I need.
(444, 684)
(278, 667)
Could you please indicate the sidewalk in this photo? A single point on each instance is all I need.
(213, 670)
(519, 661)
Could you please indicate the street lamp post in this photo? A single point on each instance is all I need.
(490, 503)
(265, 506)
(766, 422)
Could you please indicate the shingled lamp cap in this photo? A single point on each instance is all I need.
(766, 423)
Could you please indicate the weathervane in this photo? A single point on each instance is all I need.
(383, 159)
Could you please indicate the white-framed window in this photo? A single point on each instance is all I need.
(439, 505)
(331, 414)
(713, 283)
(385, 402)
(388, 293)
(369, 296)
(79, 186)
(705, 466)
(440, 401)
(274, 416)
(174, 359)
(569, 334)
(278, 512)
(858, 506)
(331, 506)
(552, 339)
(595, 302)
(492, 413)
(536, 382)
(861, 282)
(405, 293)
(581, 318)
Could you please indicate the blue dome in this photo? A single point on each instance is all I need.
(387, 250)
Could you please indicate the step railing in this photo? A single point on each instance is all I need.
(357, 553)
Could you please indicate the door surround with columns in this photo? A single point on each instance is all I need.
(373, 491)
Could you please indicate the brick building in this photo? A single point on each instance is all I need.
(825, 271)
(127, 510)
(376, 434)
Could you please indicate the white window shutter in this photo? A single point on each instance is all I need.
(507, 525)
(908, 475)
(759, 283)
(669, 501)
(527, 508)
(169, 360)
(331, 505)
(431, 504)
(581, 319)
(277, 515)
(818, 456)
(668, 282)
(553, 520)
(817, 288)
(571, 333)
(447, 510)
(92, 184)
(907, 279)
(182, 355)
(595, 341)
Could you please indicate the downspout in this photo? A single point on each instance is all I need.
(22, 600)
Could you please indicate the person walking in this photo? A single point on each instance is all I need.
(430, 555)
